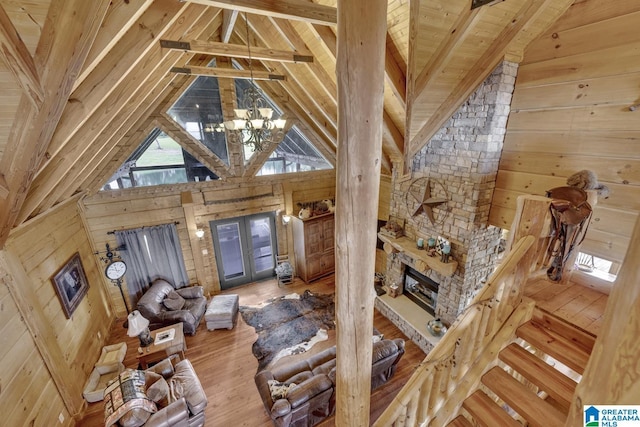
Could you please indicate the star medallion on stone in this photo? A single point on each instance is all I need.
(426, 203)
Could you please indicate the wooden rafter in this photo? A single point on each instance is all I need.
(4, 189)
(62, 55)
(324, 80)
(121, 103)
(236, 51)
(229, 17)
(462, 27)
(120, 65)
(121, 16)
(299, 10)
(228, 73)
(19, 61)
(192, 145)
(414, 17)
(394, 74)
(479, 71)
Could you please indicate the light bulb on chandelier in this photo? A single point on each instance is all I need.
(254, 124)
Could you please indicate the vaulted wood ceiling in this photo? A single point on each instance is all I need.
(83, 82)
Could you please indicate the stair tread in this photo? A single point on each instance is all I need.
(525, 402)
(486, 412)
(555, 345)
(459, 421)
(546, 377)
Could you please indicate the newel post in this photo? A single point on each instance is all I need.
(362, 26)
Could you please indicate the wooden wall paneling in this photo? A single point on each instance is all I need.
(587, 12)
(617, 89)
(586, 118)
(605, 245)
(609, 143)
(384, 201)
(195, 243)
(582, 66)
(584, 38)
(609, 170)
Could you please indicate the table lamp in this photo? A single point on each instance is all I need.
(139, 326)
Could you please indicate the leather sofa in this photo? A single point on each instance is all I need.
(153, 307)
(183, 404)
(312, 399)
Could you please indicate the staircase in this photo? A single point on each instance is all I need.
(531, 391)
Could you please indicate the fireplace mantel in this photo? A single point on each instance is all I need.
(408, 246)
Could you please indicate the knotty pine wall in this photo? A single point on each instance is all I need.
(193, 205)
(570, 112)
(45, 358)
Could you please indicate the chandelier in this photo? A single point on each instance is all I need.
(254, 124)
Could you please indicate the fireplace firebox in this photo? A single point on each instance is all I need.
(420, 289)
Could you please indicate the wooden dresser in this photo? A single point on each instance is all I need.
(313, 243)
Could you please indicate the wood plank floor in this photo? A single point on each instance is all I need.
(577, 304)
(226, 366)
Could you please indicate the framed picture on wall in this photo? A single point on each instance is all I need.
(71, 284)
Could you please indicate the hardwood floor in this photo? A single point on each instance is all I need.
(226, 366)
(578, 305)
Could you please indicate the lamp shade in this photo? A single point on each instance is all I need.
(137, 323)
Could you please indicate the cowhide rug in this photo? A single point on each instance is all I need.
(289, 325)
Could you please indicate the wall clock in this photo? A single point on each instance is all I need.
(115, 270)
(423, 195)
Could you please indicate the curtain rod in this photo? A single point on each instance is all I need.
(114, 231)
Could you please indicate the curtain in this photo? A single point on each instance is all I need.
(152, 253)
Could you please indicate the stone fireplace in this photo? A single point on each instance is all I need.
(461, 164)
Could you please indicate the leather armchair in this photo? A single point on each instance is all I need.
(151, 306)
(312, 400)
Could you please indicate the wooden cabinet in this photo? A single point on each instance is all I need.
(313, 243)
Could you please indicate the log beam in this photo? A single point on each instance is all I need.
(236, 51)
(19, 61)
(60, 56)
(229, 17)
(361, 51)
(228, 73)
(296, 10)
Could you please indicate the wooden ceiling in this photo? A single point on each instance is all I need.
(83, 82)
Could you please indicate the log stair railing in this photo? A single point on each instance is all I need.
(494, 365)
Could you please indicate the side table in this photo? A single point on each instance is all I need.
(157, 352)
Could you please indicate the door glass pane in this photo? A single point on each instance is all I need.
(261, 243)
(231, 250)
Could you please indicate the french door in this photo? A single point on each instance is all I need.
(245, 248)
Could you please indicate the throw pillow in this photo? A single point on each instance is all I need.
(173, 301)
(159, 392)
(279, 390)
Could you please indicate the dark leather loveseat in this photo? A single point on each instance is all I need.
(153, 307)
(312, 399)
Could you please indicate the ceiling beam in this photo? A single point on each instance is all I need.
(478, 72)
(121, 16)
(120, 65)
(230, 73)
(394, 74)
(236, 51)
(259, 158)
(228, 103)
(196, 148)
(61, 54)
(4, 189)
(440, 59)
(108, 118)
(229, 17)
(19, 61)
(296, 10)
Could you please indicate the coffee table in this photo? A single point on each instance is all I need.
(157, 352)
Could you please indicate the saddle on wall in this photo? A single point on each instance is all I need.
(570, 215)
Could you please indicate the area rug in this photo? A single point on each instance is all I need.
(289, 325)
